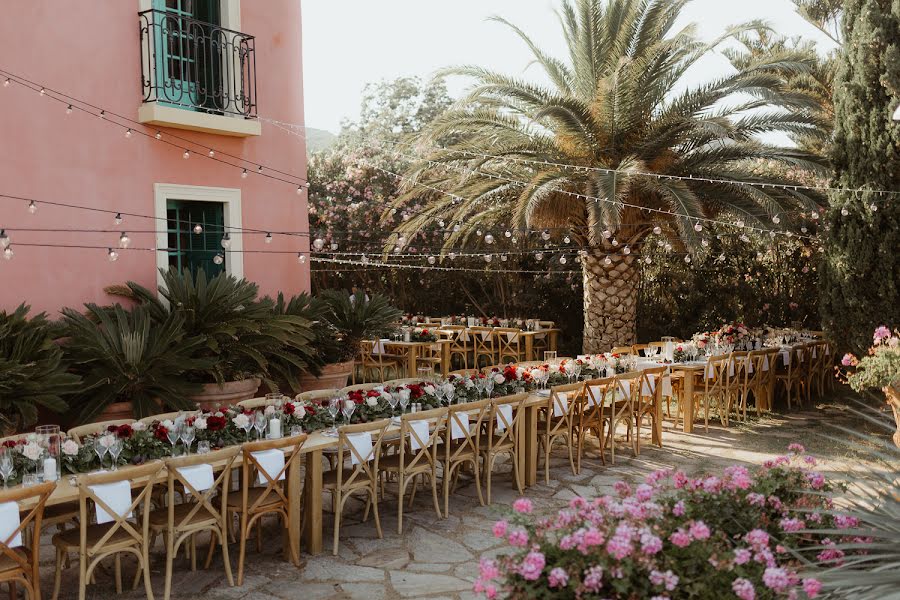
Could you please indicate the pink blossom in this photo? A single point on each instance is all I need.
(558, 578)
(792, 525)
(644, 492)
(678, 509)
(488, 569)
(849, 360)
(518, 538)
(816, 480)
(619, 546)
(812, 587)
(593, 579)
(699, 530)
(523, 506)
(680, 480)
(796, 448)
(622, 488)
(845, 521)
(756, 499)
(668, 579)
(776, 578)
(650, 544)
(532, 566)
(500, 528)
(757, 538)
(743, 589)
(882, 333)
(680, 538)
(741, 556)
(738, 478)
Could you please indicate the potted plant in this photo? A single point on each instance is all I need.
(131, 365)
(879, 369)
(345, 322)
(241, 333)
(32, 371)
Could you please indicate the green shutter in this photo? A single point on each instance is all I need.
(188, 250)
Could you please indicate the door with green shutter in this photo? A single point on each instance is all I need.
(189, 250)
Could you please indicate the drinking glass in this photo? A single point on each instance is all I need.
(203, 447)
(260, 424)
(6, 466)
(424, 374)
(100, 450)
(187, 436)
(549, 356)
(334, 407)
(347, 409)
(296, 430)
(115, 449)
(439, 392)
(479, 386)
(393, 399)
(576, 369)
(450, 392)
(488, 385)
(248, 426)
(404, 400)
(174, 434)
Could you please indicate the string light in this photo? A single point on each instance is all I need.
(4, 239)
(268, 238)
(219, 258)
(244, 174)
(626, 250)
(698, 227)
(124, 240)
(489, 239)
(566, 240)
(607, 261)
(648, 260)
(186, 155)
(845, 212)
(657, 230)
(158, 135)
(128, 133)
(118, 219)
(198, 228)
(508, 233)
(562, 260)
(488, 258)
(431, 260)
(102, 114)
(42, 92)
(32, 207)
(211, 153)
(539, 256)
(8, 253)
(545, 235)
(318, 243)
(301, 258)
(259, 169)
(112, 255)
(776, 219)
(6, 82)
(606, 234)
(226, 240)
(69, 109)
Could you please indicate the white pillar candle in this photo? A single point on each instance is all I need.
(50, 469)
(275, 428)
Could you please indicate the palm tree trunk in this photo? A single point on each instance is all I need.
(610, 300)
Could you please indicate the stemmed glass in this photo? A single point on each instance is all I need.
(260, 424)
(404, 400)
(174, 434)
(488, 385)
(334, 407)
(248, 426)
(187, 436)
(6, 466)
(439, 391)
(100, 450)
(576, 370)
(479, 386)
(347, 409)
(450, 392)
(115, 449)
(393, 399)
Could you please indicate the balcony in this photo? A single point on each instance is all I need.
(197, 75)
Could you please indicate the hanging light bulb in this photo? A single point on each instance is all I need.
(198, 228)
(364, 259)
(648, 260)
(301, 258)
(244, 174)
(259, 169)
(8, 253)
(660, 243)
(698, 227)
(42, 92)
(69, 109)
(401, 241)
(606, 234)
(667, 247)
(815, 215)
(158, 135)
(803, 229)
(567, 240)
(740, 224)
(118, 218)
(845, 212)
(721, 257)
(776, 219)
(32, 207)
(226, 240)
(455, 227)
(488, 258)
(218, 258)
(478, 232)
(102, 114)
(704, 242)
(615, 242)
(607, 261)
(626, 250)
(508, 233)
(539, 256)
(489, 239)
(4, 239)
(562, 260)
(128, 134)
(452, 256)
(112, 255)
(268, 238)
(545, 235)
(431, 260)
(318, 243)
(503, 257)
(441, 223)
(657, 230)
(744, 238)
(124, 240)
(687, 259)
(6, 82)
(334, 246)
(514, 241)
(299, 189)
(186, 155)
(874, 207)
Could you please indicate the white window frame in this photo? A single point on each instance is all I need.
(229, 197)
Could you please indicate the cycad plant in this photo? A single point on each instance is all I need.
(573, 156)
(356, 319)
(323, 345)
(32, 371)
(241, 333)
(128, 356)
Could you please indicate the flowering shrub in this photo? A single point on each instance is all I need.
(881, 368)
(672, 537)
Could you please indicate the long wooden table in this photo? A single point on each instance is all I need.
(411, 351)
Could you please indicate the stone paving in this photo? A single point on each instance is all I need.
(438, 558)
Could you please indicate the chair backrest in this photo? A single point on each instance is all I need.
(627, 393)
(459, 337)
(77, 433)
(741, 365)
(141, 480)
(202, 499)
(717, 374)
(404, 381)
(364, 387)
(596, 393)
(465, 372)
(162, 417)
(562, 405)
(420, 447)
(372, 352)
(547, 324)
(505, 419)
(364, 465)
(650, 389)
(482, 340)
(638, 349)
(255, 402)
(622, 350)
(251, 465)
(462, 434)
(319, 394)
(758, 367)
(36, 497)
(509, 342)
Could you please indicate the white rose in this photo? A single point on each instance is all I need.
(405, 394)
(168, 424)
(385, 396)
(448, 388)
(372, 402)
(469, 384)
(31, 438)
(219, 413)
(519, 372)
(200, 423)
(499, 378)
(32, 450)
(70, 447)
(139, 426)
(270, 410)
(107, 440)
(299, 411)
(241, 421)
(429, 389)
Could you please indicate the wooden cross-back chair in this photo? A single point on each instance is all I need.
(502, 437)
(119, 536)
(271, 498)
(823, 367)
(716, 386)
(791, 376)
(814, 358)
(460, 343)
(756, 381)
(556, 422)
(203, 510)
(360, 476)
(639, 349)
(431, 355)
(462, 437)
(648, 404)
(21, 565)
(621, 407)
(78, 433)
(483, 345)
(416, 456)
(374, 357)
(254, 403)
(510, 344)
(741, 365)
(623, 350)
(590, 416)
(319, 394)
(171, 416)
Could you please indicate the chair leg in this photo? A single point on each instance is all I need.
(515, 469)
(117, 566)
(337, 520)
(226, 559)
(57, 578)
(434, 496)
(477, 476)
(242, 552)
(547, 443)
(170, 557)
(374, 498)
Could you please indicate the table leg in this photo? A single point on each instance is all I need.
(687, 401)
(445, 359)
(529, 347)
(551, 340)
(530, 453)
(657, 421)
(411, 353)
(295, 504)
(313, 524)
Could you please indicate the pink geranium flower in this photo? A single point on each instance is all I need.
(523, 506)
(743, 589)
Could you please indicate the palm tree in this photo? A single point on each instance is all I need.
(520, 154)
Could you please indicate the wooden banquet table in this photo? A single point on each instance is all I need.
(410, 351)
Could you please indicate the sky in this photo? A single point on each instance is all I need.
(348, 43)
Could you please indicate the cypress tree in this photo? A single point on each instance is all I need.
(861, 271)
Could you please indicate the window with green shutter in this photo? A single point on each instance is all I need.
(195, 251)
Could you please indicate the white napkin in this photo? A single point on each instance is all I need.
(463, 336)
(271, 462)
(117, 496)
(710, 371)
(814, 353)
(470, 321)
(199, 476)
(458, 431)
(595, 397)
(667, 386)
(362, 443)
(9, 522)
(421, 433)
(786, 357)
(765, 365)
(561, 404)
(649, 387)
(378, 348)
(505, 412)
(485, 335)
(624, 389)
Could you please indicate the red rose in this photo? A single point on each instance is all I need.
(424, 332)
(415, 390)
(288, 408)
(161, 433)
(124, 431)
(214, 423)
(372, 394)
(356, 396)
(10, 443)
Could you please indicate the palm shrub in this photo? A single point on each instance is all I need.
(354, 319)
(32, 370)
(618, 101)
(131, 356)
(323, 347)
(242, 333)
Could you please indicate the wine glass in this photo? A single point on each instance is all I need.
(6, 466)
(450, 392)
(404, 400)
(347, 409)
(334, 407)
(488, 385)
(393, 399)
(576, 369)
(100, 450)
(247, 426)
(203, 447)
(174, 434)
(439, 391)
(259, 423)
(115, 449)
(187, 436)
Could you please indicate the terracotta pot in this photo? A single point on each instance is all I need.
(893, 398)
(227, 394)
(115, 411)
(332, 376)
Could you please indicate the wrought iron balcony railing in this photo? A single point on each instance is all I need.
(195, 65)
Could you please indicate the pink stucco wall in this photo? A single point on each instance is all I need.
(90, 49)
